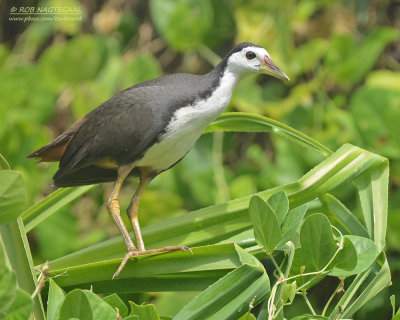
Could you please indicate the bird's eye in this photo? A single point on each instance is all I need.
(250, 55)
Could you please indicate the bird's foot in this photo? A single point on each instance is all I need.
(131, 253)
(165, 249)
(134, 253)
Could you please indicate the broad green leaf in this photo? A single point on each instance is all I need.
(21, 307)
(246, 122)
(279, 203)
(12, 195)
(291, 224)
(76, 305)
(229, 297)
(317, 243)
(101, 310)
(55, 300)
(172, 271)
(115, 302)
(147, 312)
(266, 225)
(366, 254)
(346, 258)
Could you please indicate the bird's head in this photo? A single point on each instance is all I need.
(248, 58)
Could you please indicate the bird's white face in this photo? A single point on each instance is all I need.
(254, 59)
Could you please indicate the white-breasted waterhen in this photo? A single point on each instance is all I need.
(146, 129)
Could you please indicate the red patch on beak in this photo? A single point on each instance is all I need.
(267, 61)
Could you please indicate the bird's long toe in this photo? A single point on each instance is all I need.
(128, 255)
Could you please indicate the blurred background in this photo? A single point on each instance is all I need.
(343, 58)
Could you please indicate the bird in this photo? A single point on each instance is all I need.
(145, 130)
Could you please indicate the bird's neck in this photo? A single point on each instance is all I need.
(224, 79)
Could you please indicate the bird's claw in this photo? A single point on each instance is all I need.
(130, 254)
(134, 253)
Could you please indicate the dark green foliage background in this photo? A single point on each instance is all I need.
(342, 56)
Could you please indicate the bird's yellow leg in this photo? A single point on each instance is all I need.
(114, 209)
(133, 207)
(133, 210)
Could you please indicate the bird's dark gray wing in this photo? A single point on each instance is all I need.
(123, 127)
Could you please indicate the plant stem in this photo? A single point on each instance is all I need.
(283, 279)
(276, 266)
(304, 294)
(331, 298)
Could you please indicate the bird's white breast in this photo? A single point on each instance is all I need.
(186, 126)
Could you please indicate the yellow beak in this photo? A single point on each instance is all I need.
(269, 67)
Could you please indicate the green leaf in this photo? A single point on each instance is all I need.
(21, 307)
(76, 305)
(55, 300)
(317, 243)
(373, 189)
(101, 310)
(173, 271)
(279, 203)
(346, 258)
(246, 122)
(8, 290)
(115, 302)
(289, 292)
(229, 297)
(291, 224)
(366, 254)
(266, 225)
(147, 312)
(247, 316)
(379, 279)
(396, 315)
(12, 195)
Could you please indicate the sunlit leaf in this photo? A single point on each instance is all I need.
(146, 312)
(317, 243)
(279, 203)
(55, 299)
(346, 258)
(267, 231)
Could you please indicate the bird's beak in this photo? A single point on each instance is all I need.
(269, 67)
